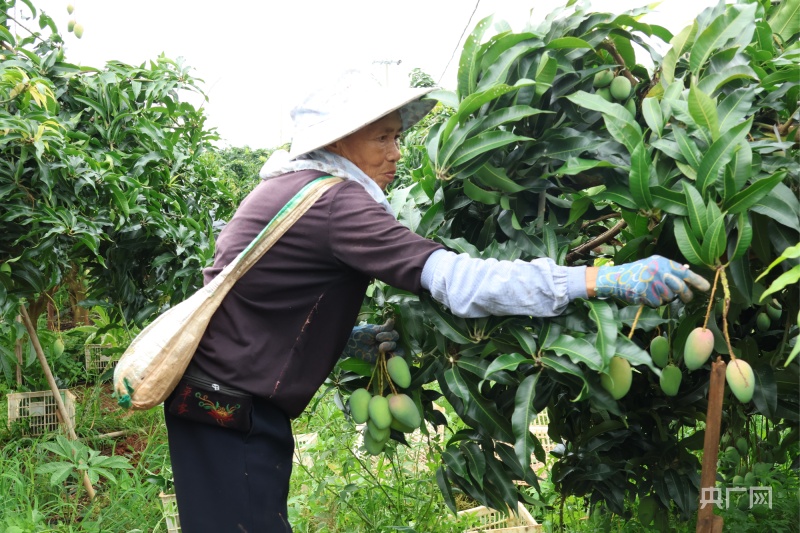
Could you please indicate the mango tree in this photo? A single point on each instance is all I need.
(590, 138)
(103, 188)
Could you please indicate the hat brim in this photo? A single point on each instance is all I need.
(408, 101)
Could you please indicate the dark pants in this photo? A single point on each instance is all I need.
(228, 481)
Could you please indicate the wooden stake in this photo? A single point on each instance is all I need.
(707, 521)
(18, 353)
(62, 409)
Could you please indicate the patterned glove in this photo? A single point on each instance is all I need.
(652, 281)
(367, 342)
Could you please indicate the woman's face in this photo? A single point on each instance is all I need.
(374, 148)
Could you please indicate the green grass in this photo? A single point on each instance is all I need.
(335, 487)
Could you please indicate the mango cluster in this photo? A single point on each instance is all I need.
(380, 413)
(614, 89)
(74, 26)
(697, 350)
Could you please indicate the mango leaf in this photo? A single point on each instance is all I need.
(687, 243)
(776, 79)
(718, 155)
(578, 350)
(448, 325)
(444, 486)
(744, 236)
(651, 111)
(735, 22)
(455, 382)
(577, 165)
(562, 365)
(742, 201)
(696, 209)
(601, 313)
(470, 58)
(476, 462)
(687, 147)
(787, 278)
(738, 171)
(781, 205)
(480, 195)
(513, 113)
(625, 130)
(704, 111)
(496, 178)
(485, 413)
(681, 490)
(668, 200)
(734, 107)
(785, 21)
(507, 361)
(765, 395)
(521, 419)
(713, 242)
(680, 43)
(792, 252)
(639, 178)
(568, 42)
(482, 143)
(545, 74)
(712, 83)
(627, 349)
(525, 338)
(497, 72)
(452, 139)
(447, 98)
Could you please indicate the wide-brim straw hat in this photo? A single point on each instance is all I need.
(344, 105)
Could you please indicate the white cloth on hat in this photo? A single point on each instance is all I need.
(345, 104)
(280, 163)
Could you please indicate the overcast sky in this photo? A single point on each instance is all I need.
(256, 57)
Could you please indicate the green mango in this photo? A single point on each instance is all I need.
(605, 93)
(763, 322)
(741, 446)
(774, 310)
(620, 88)
(403, 409)
(670, 380)
(741, 380)
(647, 510)
(659, 351)
(380, 435)
(619, 377)
(602, 79)
(399, 372)
(379, 412)
(359, 405)
(698, 348)
(372, 446)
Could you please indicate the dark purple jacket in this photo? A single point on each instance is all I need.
(283, 326)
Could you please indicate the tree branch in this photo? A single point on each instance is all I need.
(611, 49)
(597, 241)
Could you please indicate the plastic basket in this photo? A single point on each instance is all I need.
(493, 521)
(169, 506)
(96, 360)
(38, 411)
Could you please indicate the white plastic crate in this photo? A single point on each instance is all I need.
(97, 360)
(169, 506)
(493, 521)
(38, 411)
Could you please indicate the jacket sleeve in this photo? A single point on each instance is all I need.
(472, 287)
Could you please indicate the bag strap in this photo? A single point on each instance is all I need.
(274, 230)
